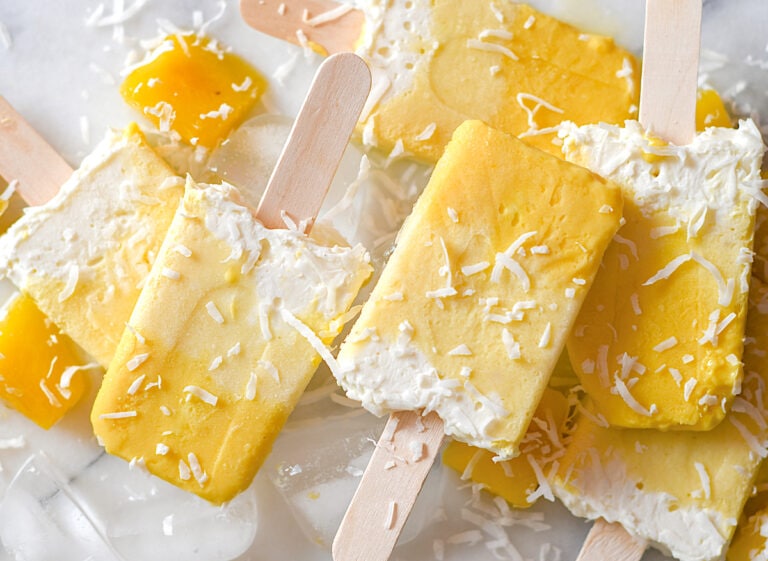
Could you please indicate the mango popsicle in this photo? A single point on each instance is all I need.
(681, 491)
(481, 289)
(200, 399)
(469, 316)
(83, 255)
(437, 64)
(659, 339)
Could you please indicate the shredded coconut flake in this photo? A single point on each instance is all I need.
(469, 270)
(171, 274)
(197, 471)
(184, 472)
(182, 250)
(118, 415)
(73, 275)
(704, 477)
(688, 388)
(461, 350)
(250, 387)
(427, 133)
(201, 394)
(666, 271)
(215, 363)
(491, 48)
(214, 312)
(546, 336)
(629, 399)
(666, 344)
(512, 346)
(136, 361)
(389, 522)
(134, 387)
(316, 343)
(271, 369)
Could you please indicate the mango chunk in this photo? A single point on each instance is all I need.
(710, 110)
(38, 364)
(190, 85)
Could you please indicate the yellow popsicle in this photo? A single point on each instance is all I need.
(216, 354)
(470, 314)
(84, 255)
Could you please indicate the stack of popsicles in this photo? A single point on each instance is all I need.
(634, 251)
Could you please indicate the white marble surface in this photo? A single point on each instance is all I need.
(62, 75)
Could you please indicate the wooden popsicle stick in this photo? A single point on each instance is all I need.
(388, 489)
(334, 27)
(27, 158)
(667, 109)
(610, 541)
(670, 69)
(316, 142)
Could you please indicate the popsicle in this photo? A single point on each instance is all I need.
(226, 332)
(83, 255)
(635, 486)
(194, 88)
(470, 314)
(659, 340)
(681, 491)
(438, 63)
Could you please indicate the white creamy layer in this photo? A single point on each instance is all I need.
(715, 174)
(91, 215)
(394, 34)
(388, 376)
(290, 269)
(607, 491)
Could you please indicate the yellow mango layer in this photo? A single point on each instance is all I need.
(516, 480)
(84, 255)
(504, 63)
(209, 368)
(683, 491)
(195, 87)
(470, 314)
(38, 364)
